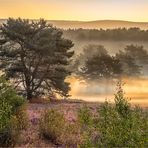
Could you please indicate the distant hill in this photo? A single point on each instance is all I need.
(104, 24)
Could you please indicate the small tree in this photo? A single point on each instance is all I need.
(138, 53)
(35, 55)
(13, 117)
(129, 66)
(99, 64)
(102, 66)
(136, 59)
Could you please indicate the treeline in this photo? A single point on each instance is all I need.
(119, 34)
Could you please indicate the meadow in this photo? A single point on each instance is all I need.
(56, 91)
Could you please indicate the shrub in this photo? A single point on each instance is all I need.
(57, 129)
(5, 115)
(118, 125)
(52, 125)
(85, 116)
(22, 117)
(12, 115)
(9, 95)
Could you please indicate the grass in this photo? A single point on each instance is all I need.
(58, 130)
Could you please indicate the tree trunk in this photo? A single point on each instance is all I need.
(29, 95)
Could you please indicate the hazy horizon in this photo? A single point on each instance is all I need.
(95, 24)
(76, 10)
(66, 20)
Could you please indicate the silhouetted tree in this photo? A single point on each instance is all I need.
(130, 68)
(35, 56)
(99, 64)
(102, 66)
(134, 59)
(138, 53)
(96, 63)
(88, 52)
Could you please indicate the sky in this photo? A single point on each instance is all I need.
(81, 10)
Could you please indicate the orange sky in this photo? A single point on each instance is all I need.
(133, 10)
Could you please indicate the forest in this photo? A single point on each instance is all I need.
(117, 34)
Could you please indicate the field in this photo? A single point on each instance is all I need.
(72, 91)
(31, 137)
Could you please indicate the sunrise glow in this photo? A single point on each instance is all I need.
(84, 10)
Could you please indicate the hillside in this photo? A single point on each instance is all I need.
(104, 24)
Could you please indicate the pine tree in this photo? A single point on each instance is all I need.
(35, 56)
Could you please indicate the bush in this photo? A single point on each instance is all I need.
(58, 130)
(9, 95)
(12, 114)
(118, 125)
(22, 117)
(5, 115)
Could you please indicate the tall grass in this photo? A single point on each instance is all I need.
(58, 130)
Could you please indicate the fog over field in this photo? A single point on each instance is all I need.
(135, 88)
(111, 46)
